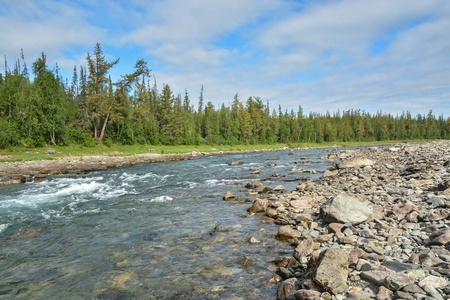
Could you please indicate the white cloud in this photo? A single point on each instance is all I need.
(318, 54)
(334, 40)
(50, 26)
(183, 33)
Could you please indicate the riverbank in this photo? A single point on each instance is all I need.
(24, 165)
(376, 225)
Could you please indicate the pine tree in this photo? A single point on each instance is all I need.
(97, 86)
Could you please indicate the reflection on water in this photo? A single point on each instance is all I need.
(143, 232)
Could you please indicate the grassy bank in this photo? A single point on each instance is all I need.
(27, 154)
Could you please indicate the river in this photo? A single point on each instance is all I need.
(146, 231)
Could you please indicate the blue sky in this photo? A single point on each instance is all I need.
(388, 55)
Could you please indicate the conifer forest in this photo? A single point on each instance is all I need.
(38, 107)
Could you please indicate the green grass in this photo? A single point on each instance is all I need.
(27, 154)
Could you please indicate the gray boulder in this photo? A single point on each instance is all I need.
(355, 163)
(345, 208)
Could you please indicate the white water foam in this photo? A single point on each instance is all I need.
(60, 189)
(213, 182)
(141, 177)
(3, 227)
(105, 194)
(191, 184)
(81, 188)
(136, 177)
(161, 199)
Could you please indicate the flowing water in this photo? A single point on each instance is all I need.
(144, 232)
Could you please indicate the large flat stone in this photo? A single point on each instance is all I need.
(346, 208)
(332, 271)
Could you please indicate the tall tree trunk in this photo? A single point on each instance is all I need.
(104, 127)
(52, 136)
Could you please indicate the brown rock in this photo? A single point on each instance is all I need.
(323, 238)
(378, 212)
(431, 261)
(373, 256)
(335, 227)
(259, 205)
(302, 203)
(275, 279)
(228, 196)
(304, 249)
(329, 173)
(441, 237)
(286, 262)
(287, 289)
(279, 188)
(271, 213)
(361, 295)
(356, 254)
(377, 276)
(384, 293)
(287, 232)
(397, 281)
(434, 281)
(306, 294)
(332, 271)
(406, 209)
(305, 220)
(413, 217)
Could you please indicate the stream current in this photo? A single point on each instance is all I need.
(146, 231)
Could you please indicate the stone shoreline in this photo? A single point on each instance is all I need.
(375, 226)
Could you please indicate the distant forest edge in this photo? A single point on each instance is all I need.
(91, 109)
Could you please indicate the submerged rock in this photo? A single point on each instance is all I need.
(219, 228)
(26, 233)
(228, 196)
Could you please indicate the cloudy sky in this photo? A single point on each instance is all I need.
(388, 55)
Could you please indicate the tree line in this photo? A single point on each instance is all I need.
(91, 108)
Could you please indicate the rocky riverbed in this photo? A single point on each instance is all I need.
(375, 226)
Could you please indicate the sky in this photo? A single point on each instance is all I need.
(373, 55)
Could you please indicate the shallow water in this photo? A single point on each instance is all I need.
(144, 232)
